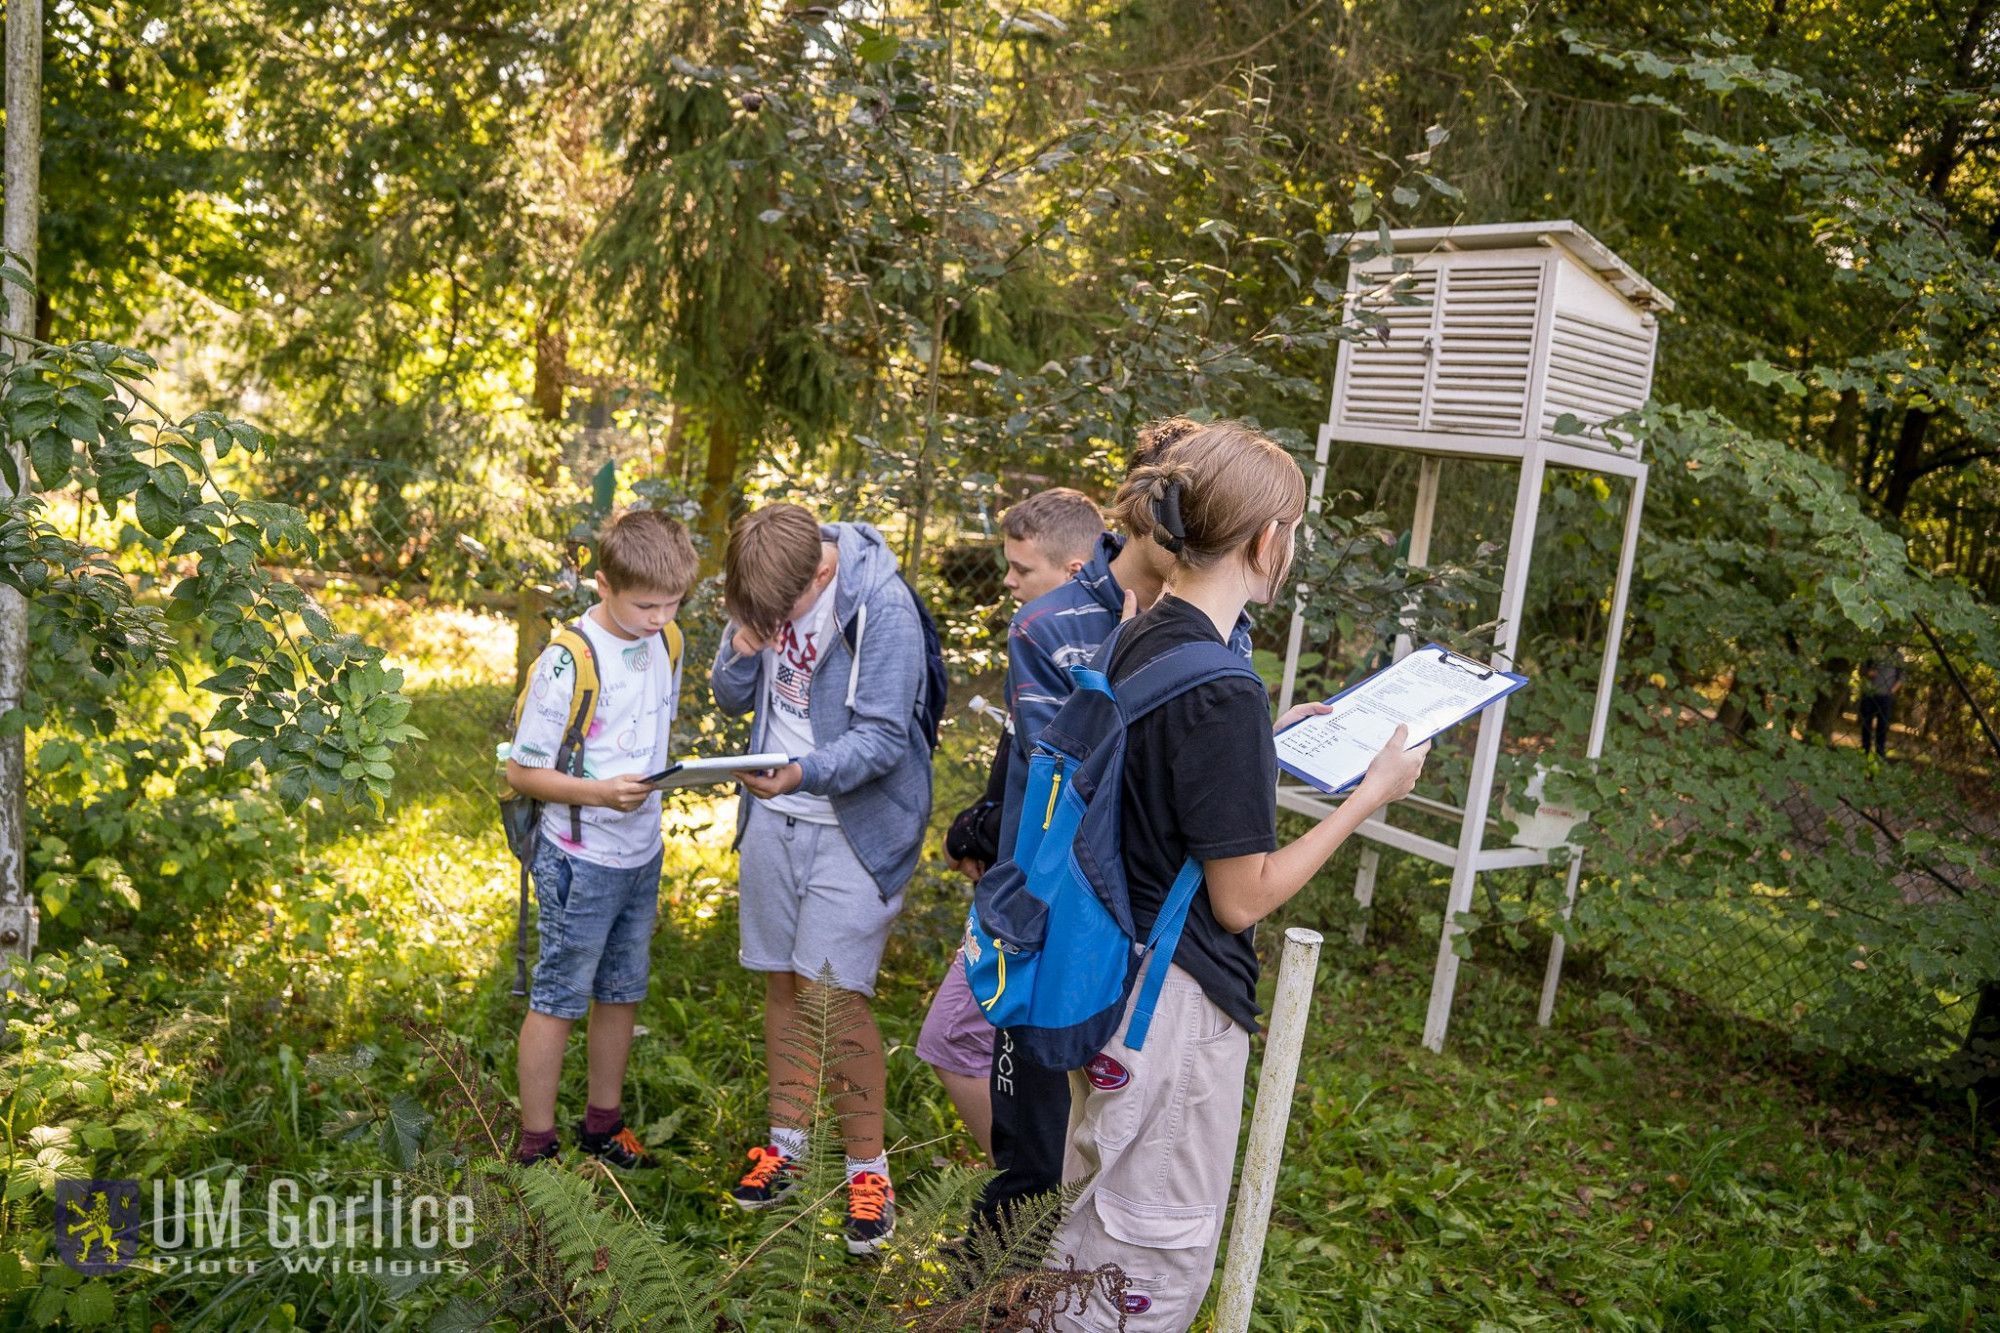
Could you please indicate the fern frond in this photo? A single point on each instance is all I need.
(625, 1276)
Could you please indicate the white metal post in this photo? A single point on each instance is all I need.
(1607, 678)
(1290, 1008)
(1364, 893)
(1486, 752)
(1420, 537)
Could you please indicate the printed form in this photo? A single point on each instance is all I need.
(1429, 690)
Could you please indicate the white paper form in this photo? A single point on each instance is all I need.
(703, 772)
(1429, 690)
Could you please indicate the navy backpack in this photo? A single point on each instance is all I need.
(1051, 951)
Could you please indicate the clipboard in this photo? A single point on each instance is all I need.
(1431, 690)
(704, 772)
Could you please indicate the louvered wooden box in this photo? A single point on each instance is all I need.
(1493, 335)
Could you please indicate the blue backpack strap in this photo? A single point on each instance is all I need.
(1174, 673)
(1160, 946)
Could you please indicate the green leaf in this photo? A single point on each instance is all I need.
(157, 513)
(879, 49)
(52, 453)
(90, 1305)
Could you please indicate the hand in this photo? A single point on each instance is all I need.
(623, 794)
(747, 644)
(769, 782)
(1392, 774)
(971, 869)
(1131, 606)
(1299, 713)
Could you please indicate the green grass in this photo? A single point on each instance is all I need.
(1648, 1165)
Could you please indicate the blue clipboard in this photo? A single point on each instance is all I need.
(1505, 683)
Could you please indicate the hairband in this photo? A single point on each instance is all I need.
(1167, 515)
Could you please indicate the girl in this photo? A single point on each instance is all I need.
(1155, 1131)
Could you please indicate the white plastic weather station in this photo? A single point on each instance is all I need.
(1513, 344)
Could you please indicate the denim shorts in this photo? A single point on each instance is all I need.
(597, 931)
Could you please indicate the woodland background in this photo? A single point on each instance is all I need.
(352, 320)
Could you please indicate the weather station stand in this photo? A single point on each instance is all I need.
(1509, 344)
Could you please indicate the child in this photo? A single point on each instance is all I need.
(597, 857)
(1046, 538)
(1153, 1132)
(832, 837)
(1050, 635)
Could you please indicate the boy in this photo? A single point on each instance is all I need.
(1048, 636)
(1046, 538)
(596, 862)
(831, 837)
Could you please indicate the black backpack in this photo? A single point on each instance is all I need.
(929, 711)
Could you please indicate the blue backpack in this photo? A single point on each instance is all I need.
(1051, 952)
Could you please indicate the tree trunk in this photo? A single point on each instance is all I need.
(21, 226)
(1906, 464)
(1845, 432)
(1830, 705)
(719, 491)
(531, 609)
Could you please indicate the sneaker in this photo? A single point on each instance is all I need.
(770, 1178)
(871, 1212)
(549, 1152)
(620, 1149)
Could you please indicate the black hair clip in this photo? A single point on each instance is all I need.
(1167, 514)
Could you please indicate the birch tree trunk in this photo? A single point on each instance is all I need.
(21, 223)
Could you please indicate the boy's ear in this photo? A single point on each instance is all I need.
(1070, 567)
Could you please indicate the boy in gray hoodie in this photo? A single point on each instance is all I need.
(830, 839)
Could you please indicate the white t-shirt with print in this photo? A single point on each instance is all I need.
(789, 666)
(628, 735)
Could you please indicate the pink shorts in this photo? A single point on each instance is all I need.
(956, 1037)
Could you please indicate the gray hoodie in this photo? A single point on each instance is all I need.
(869, 753)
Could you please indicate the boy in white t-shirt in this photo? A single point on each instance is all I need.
(597, 858)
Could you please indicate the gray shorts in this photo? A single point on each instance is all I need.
(805, 902)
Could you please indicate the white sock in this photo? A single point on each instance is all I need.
(879, 1164)
(790, 1142)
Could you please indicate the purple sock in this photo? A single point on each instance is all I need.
(597, 1120)
(533, 1142)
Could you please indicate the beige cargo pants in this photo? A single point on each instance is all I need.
(1155, 1132)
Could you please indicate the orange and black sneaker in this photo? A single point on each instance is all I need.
(871, 1212)
(618, 1148)
(770, 1178)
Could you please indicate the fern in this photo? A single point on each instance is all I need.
(553, 1252)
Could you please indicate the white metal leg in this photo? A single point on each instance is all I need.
(1607, 678)
(1486, 752)
(1557, 943)
(1364, 893)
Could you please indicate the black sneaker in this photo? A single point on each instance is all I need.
(770, 1178)
(547, 1153)
(871, 1212)
(619, 1149)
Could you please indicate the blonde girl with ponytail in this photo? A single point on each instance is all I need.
(1154, 1131)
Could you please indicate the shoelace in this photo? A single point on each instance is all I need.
(629, 1141)
(867, 1195)
(768, 1164)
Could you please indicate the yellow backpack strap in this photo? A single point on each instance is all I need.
(675, 645)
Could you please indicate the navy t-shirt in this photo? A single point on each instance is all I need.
(1201, 778)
